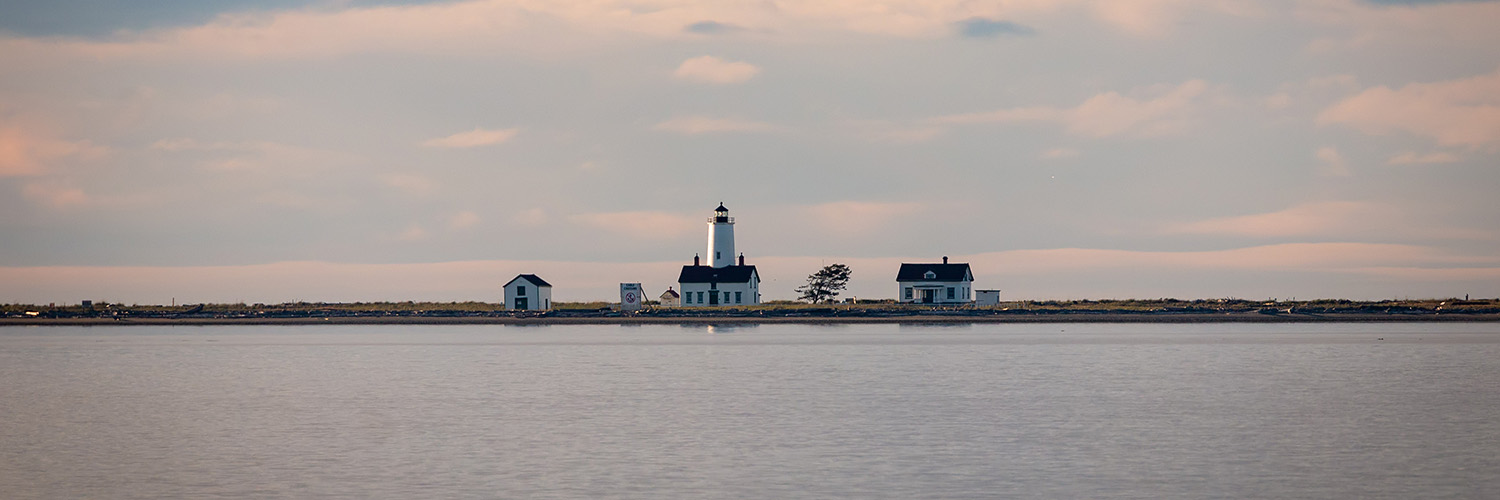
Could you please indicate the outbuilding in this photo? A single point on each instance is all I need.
(527, 292)
(986, 298)
(931, 283)
(670, 298)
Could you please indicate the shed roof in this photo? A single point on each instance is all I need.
(710, 274)
(530, 277)
(941, 272)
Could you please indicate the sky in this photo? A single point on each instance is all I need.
(316, 150)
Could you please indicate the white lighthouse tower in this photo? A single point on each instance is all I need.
(723, 282)
(721, 238)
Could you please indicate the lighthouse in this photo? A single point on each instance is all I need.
(724, 281)
(721, 238)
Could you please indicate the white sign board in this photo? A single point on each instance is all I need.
(631, 296)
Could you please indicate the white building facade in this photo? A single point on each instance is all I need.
(723, 282)
(944, 284)
(986, 298)
(527, 292)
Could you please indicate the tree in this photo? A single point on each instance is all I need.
(825, 285)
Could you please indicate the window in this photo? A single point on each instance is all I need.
(930, 275)
(521, 291)
(908, 293)
(700, 297)
(737, 297)
(726, 297)
(687, 297)
(950, 293)
(717, 255)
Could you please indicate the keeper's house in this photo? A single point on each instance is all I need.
(934, 283)
(527, 292)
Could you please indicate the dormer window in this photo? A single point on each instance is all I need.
(930, 275)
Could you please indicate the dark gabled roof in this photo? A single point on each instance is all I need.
(710, 274)
(529, 277)
(671, 293)
(944, 272)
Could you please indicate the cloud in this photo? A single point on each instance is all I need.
(1412, 3)
(587, 281)
(472, 139)
(881, 131)
(695, 125)
(1166, 111)
(640, 224)
(1059, 154)
(1332, 219)
(463, 220)
(563, 26)
(412, 184)
(55, 196)
(531, 217)
(1412, 158)
(1312, 219)
(23, 152)
(324, 281)
(710, 69)
(412, 232)
(1462, 112)
(979, 27)
(264, 158)
(1332, 163)
(711, 28)
(1322, 257)
(858, 217)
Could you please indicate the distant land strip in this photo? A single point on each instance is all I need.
(598, 313)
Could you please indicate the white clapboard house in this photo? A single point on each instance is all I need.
(934, 283)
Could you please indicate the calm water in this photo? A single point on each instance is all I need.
(887, 411)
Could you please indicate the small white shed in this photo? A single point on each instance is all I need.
(986, 298)
(670, 298)
(527, 292)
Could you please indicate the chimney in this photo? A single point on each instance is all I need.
(742, 259)
(695, 259)
(945, 259)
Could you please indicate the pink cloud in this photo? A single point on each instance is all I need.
(696, 125)
(1462, 112)
(710, 69)
(640, 224)
(857, 217)
(24, 152)
(1331, 219)
(588, 281)
(473, 138)
(1302, 220)
(1158, 112)
(1312, 257)
(1412, 158)
(56, 196)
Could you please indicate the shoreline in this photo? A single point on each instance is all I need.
(1236, 317)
